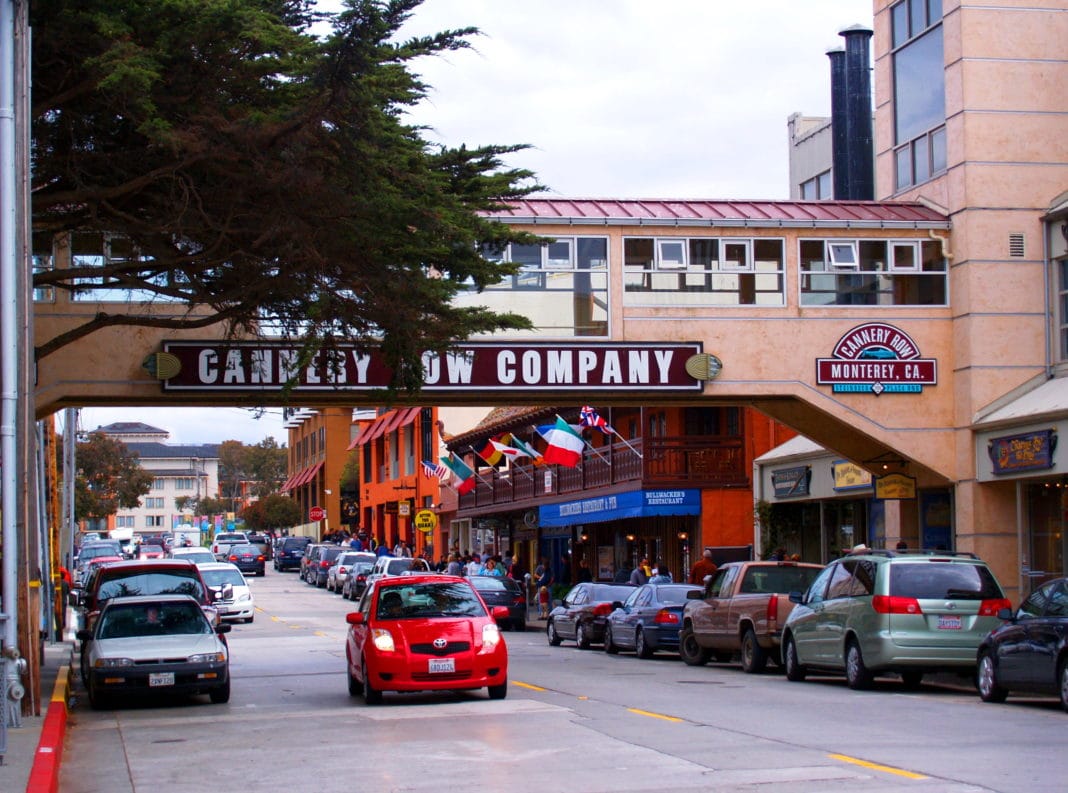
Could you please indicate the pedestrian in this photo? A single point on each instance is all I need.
(703, 568)
(543, 602)
(491, 568)
(474, 564)
(663, 574)
(584, 572)
(902, 545)
(454, 567)
(639, 576)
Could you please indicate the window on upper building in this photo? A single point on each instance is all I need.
(561, 286)
(43, 261)
(97, 249)
(818, 188)
(185, 483)
(154, 502)
(919, 91)
(159, 484)
(703, 271)
(1061, 315)
(873, 273)
(153, 521)
(124, 521)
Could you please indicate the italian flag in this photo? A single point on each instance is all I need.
(565, 445)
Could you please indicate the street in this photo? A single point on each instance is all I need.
(573, 720)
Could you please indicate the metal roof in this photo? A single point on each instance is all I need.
(711, 212)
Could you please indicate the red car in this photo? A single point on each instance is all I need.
(423, 633)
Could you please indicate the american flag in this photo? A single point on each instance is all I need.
(589, 417)
(432, 470)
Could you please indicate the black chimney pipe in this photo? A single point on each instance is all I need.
(861, 146)
(839, 125)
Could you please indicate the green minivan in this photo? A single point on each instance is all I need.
(900, 612)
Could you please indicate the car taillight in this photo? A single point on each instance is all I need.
(324, 564)
(340, 569)
(233, 557)
(361, 577)
(602, 609)
(260, 558)
(893, 604)
(991, 607)
(772, 613)
(665, 617)
(519, 600)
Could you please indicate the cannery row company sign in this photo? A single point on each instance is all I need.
(528, 366)
(876, 358)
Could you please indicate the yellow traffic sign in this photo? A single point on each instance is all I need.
(426, 520)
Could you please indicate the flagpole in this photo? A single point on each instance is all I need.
(627, 443)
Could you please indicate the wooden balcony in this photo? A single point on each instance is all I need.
(704, 461)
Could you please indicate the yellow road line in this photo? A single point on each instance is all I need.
(653, 715)
(876, 767)
(528, 685)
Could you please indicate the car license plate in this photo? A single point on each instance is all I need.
(438, 665)
(156, 679)
(949, 623)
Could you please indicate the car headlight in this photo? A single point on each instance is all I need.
(383, 640)
(112, 663)
(207, 658)
(244, 597)
(491, 634)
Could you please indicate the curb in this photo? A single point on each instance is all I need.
(44, 776)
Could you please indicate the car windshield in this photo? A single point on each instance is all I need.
(151, 549)
(429, 600)
(252, 549)
(195, 556)
(489, 583)
(601, 592)
(673, 595)
(398, 566)
(98, 550)
(938, 580)
(780, 578)
(127, 620)
(175, 582)
(363, 568)
(216, 578)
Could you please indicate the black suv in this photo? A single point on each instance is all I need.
(288, 552)
(319, 561)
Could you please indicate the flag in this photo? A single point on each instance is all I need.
(490, 452)
(463, 472)
(565, 445)
(432, 471)
(524, 449)
(589, 417)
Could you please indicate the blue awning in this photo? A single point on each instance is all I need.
(633, 504)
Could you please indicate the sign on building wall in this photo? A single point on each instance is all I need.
(1030, 451)
(850, 476)
(876, 358)
(895, 486)
(526, 366)
(789, 482)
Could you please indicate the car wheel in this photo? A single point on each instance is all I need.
(371, 695)
(987, 682)
(551, 634)
(97, 699)
(858, 676)
(355, 686)
(1063, 677)
(610, 646)
(754, 659)
(582, 636)
(220, 695)
(911, 679)
(499, 692)
(794, 670)
(692, 653)
(641, 646)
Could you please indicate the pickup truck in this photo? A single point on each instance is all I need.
(742, 610)
(222, 543)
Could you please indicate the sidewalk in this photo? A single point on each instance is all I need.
(35, 749)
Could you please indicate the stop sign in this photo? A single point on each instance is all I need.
(316, 513)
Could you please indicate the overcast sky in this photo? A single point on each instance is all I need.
(617, 98)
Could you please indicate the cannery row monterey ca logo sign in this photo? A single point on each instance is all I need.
(526, 366)
(876, 358)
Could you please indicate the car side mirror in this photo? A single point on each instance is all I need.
(74, 598)
(500, 612)
(355, 618)
(797, 597)
(84, 635)
(223, 627)
(617, 604)
(695, 594)
(1006, 614)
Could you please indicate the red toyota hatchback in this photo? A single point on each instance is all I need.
(425, 633)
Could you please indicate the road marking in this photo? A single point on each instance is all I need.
(528, 685)
(652, 715)
(876, 767)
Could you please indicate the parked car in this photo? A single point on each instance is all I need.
(319, 562)
(648, 620)
(94, 551)
(386, 566)
(155, 644)
(232, 595)
(497, 591)
(356, 580)
(892, 612)
(223, 541)
(248, 559)
(1028, 652)
(424, 633)
(194, 554)
(263, 542)
(742, 610)
(338, 572)
(288, 552)
(147, 551)
(582, 614)
(305, 558)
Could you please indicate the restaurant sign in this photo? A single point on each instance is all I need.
(788, 482)
(876, 358)
(895, 487)
(850, 476)
(1031, 451)
(472, 366)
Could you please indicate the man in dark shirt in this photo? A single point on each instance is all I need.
(704, 567)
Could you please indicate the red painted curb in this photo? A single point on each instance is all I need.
(44, 776)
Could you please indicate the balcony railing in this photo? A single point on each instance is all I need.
(676, 461)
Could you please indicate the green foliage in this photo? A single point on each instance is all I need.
(775, 527)
(271, 513)
(109, 478)
(264, 171)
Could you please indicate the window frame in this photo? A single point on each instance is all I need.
(831, 254)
